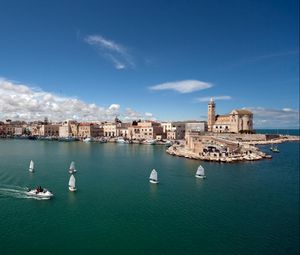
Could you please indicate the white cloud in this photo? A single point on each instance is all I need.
(185, 86)
(114, 52)
(275, 118)
(21, 102)
(148, 114)
(287, 109)
(216, 98)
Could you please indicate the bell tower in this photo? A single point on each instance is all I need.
(211, 116)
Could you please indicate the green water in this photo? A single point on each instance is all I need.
(244, 208)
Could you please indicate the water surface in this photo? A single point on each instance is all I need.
(243, 208)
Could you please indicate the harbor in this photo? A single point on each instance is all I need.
(114, 198)
(227, 148)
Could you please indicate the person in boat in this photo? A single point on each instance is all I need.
(39, 189)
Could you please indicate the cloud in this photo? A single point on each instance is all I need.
(273, 55)
(216, 98)
(148, 114)
(275, 118)
(131, 114)
(114, 52)
(21, 102)
(185, 86)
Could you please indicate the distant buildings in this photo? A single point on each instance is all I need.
(237, 121)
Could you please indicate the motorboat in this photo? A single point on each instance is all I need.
(200, 173)
(88, 139)
(274, 148)
(40, 193)
(72, 186)
(120, 140)
(150, 141)
(72, 168)
(153, 177)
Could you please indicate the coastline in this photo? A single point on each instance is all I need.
(248, 151)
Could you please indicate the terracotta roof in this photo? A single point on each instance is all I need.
(243, 111)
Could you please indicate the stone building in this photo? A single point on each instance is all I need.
(89, 130)
(122, 129)
(237, 121)
(110, 129)
(69, 128)
(173, 130)
(49, 130)
(145, 130)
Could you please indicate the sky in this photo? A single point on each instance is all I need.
(160, 60)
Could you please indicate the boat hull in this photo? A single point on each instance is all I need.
(72, 189)
(72, 171)
(153, 181)
(200, 176)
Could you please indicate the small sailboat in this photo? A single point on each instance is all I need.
(31, 166)
(72, 168)
(153, 177)
(72, 186)
(200, 173)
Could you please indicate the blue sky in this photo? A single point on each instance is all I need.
(108, 56)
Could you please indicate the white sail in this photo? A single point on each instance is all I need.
(200, 171)
(153, 175)
(31, 166)
(72, 181)
(72, 166)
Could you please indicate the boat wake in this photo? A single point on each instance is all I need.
(15, 192)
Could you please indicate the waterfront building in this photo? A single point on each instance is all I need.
(110, 129)
(167, 126)
(145, 130)
(34, 129)
(49, 130)
(211, 116)
(122, 129)
(177, 131)
(237, 121)
(89, 130)
(18, 131)
(69, 128)
(7, 129)
(195, 126)
(200, 143)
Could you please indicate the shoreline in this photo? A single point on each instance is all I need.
(247, 150)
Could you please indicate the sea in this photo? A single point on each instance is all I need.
(240, 208)
(279, 131)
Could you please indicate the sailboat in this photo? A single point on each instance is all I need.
(200, 173)
(72, 183)
(72, 168)
(153, 177)
(31, 166)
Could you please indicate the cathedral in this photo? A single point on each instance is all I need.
(237, 121)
